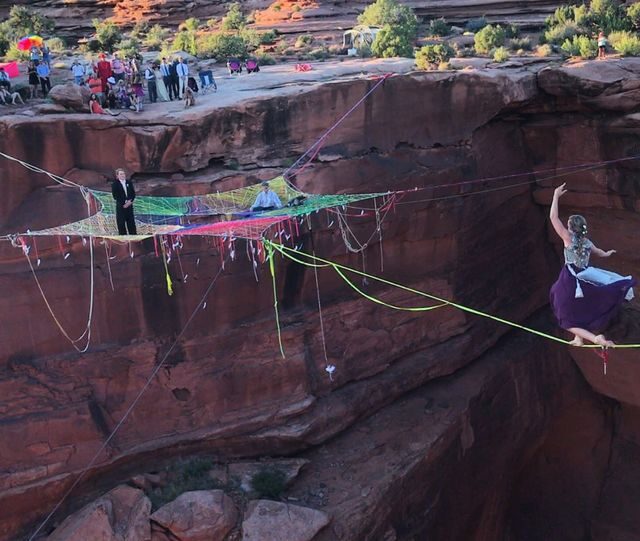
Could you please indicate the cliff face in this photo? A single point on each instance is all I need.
(473, 400)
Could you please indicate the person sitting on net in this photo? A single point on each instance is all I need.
(267, 199)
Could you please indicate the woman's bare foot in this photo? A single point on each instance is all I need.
(577, 341)
(602, 341)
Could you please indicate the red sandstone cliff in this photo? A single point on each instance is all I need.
(465, 406)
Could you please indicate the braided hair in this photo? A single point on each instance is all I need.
(579, 244)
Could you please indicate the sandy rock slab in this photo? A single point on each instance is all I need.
(70, 96)
(200, 515)
(120, 515)
(267, 520)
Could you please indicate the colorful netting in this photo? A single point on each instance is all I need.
(174, 215)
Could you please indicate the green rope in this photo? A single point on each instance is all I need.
(270, 256)
(287, 252)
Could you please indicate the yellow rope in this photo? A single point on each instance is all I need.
(288, 252)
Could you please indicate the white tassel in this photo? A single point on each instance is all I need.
(579, 293)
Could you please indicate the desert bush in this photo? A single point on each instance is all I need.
(13, 53)
(265, 59)
(23, 21)
(186, 40)
(544, 50)
(475, 25)
(269, 483)
(57, 45)
(234, 19)
(430, 56)
(633, 13)
(156, 37)
(501, 54)
(304, 40)
(107, 34)
(581, 46)
(439, 27)
(128, 48)
(221, 46)
(560, 33)
(625, 43)
(489, 38)
(520, 44)
(190, 25)
(140, 29)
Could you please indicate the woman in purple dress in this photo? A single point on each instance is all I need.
(584, 298)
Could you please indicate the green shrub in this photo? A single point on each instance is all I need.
(474, 25)
(251, 38)
(608, 16)
(221, 45)
(57, 45)
(561, 15)
(320, 53)
(191, 25)
(364, 51)
(268, 37)
(561, 33)
(517, 44)
(392, 13)
(107, 34)
(5, 39)
(265, 59)
(303, 40)
(430, 56)
(392, 41)
(439, 28)
(580, 46)
(269, 483)
(511, 31)
(234, 19)
(128, 48)
(212, 24)
(186, 40)
(463, 52)
(489, 38)
(140, 29)
(633, 13)
(23, 21)
(184, 476)
(13, 53)
(156, 37)
(544, 50)
(501, 54)
(625, 43)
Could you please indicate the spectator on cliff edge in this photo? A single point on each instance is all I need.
(124, 194)
(44, 72)
(5, 80)
(78, 72)
(267, 199)
(602, 46)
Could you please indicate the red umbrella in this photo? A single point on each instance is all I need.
(24, 44)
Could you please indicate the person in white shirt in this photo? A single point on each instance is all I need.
(150, 77)
(78, 72)
(267, 199)
(183, 74)
(124, 193)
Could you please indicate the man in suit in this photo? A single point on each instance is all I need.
(124, 194)
(174, 79)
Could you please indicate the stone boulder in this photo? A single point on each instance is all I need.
(201, 515)
(72, 97)
(120, 515)
(267, 520)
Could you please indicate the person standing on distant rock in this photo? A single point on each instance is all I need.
(165, 69)
(174, 80)
(584, 298)
(44, 72)
(124, 194)
(602, 46)
(117, 68)
(183, 74)
(34, 80)
(150, 77)
(78, 72)
(103, 69)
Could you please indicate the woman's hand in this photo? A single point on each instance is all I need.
(609, 253)
(559, 191)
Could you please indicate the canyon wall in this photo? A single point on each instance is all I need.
(225, 388)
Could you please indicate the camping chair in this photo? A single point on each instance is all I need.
(252, 66)
(234, 66)
(207, 82)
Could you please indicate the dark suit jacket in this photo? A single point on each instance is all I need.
(119, 195)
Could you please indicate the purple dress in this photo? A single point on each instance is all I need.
(587, 297)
